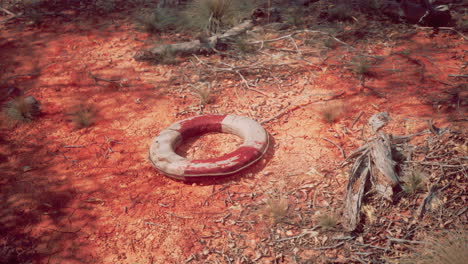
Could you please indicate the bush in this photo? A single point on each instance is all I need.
(330, 113)
(327, 222)
(216, 15)
(449, 249)
(276, 209)
(83, 116)
(340, 12)
(161, 20)
(23, 109)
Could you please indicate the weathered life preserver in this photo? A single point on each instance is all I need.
(162, 150)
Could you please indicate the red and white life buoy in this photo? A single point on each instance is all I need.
(164, 158)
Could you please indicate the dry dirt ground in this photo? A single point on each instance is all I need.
(90, 195)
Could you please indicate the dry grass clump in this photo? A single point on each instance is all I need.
(327, 221)
(361, 67)
(204, 92)
(161, 20)
(339, 13)
(276, 209)
(82, 115)
(330, 113)
(22, 109)
(414, 183)
(449, 249)
(216, 15)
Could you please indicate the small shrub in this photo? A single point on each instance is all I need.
(83, 116)
(23, 109)
(449, 249)
(203, 91)
(295, 16)
(414, 183)
(330, 43)
(330, 113)
(339, 13)
(327, 222)
(216, 15)
(361, 67)
(105, 6)
(276, 209)
(161, 20)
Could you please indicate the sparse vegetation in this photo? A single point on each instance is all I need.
(339, 13)
(276, 209)
(22, 109)
(414, 183)
(161, 20)
(203, 91)
(83, 115)
(361, 67)
(330, 113)
(216, 15)
(294, 16)
(327, 221)
(330, 43)
(452, 248)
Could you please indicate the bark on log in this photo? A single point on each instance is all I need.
(355, 192)
(375, 163)
(384, 177)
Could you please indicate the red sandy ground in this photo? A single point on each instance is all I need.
(103, 202)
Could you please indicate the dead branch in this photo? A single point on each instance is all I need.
(428, 198)
(341, 150)
(207, 45)
(355, 191)
(290, 36)
(10, 14)
(356, 119)
(383, 173)
(375, 165)
(414, 61)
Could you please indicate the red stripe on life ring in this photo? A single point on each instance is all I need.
(229, 163)
(200, 125)
(162, 150)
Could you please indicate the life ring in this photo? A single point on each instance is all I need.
(162, 150)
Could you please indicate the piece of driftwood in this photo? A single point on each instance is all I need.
(384, 177)
(355, 192)
(198, 46)
(374, 169)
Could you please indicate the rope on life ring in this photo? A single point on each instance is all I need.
(162, 150)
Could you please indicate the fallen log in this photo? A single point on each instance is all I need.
(373, 168)
(198, 46)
